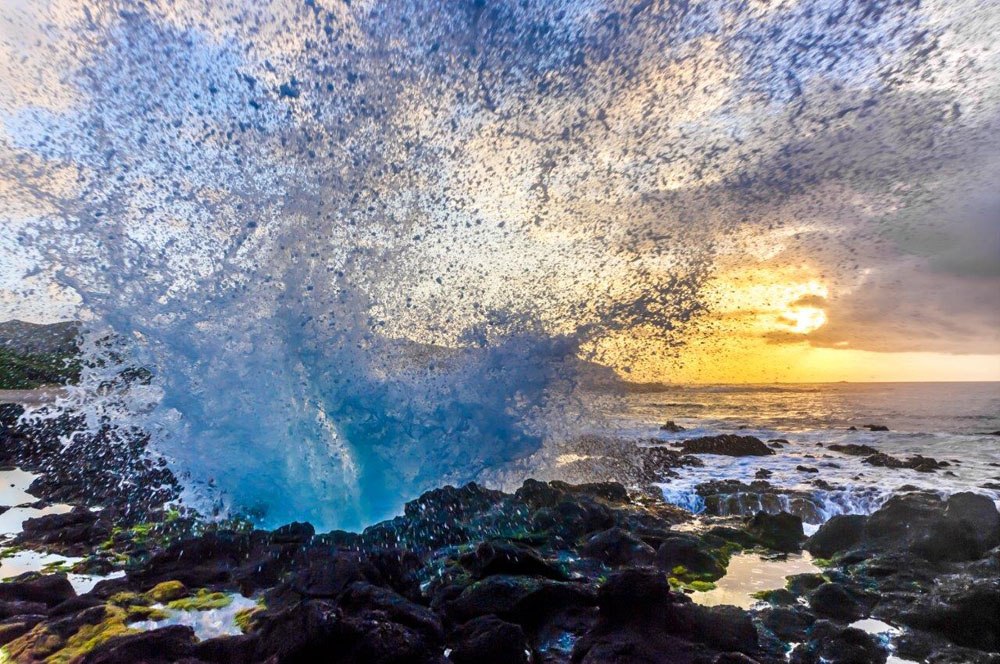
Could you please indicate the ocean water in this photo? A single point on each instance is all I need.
(950, 422)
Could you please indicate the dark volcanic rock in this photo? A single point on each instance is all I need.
(781, 532)
(727, 444)
(918, 463)
(876, 427)
(962, 528)
(830, 644)
(159, 646)
(853, 449)
(672, 427)
(617, 547)
(968, 618)
(838, 534)
(293, 533)
(640, 620)
(49, 590)
(789, 623)
(491, 558)
(518, 599)
(75, 532)
(834, 601)
(489, 640)
(689, 552)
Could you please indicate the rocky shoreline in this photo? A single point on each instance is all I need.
(553, 572)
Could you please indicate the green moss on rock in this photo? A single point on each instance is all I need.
(202, 601)
(167, 591)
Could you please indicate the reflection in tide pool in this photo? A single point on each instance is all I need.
(749, 573)
(206, 623)
(21, 562)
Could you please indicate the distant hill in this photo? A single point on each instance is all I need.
(33, 355)
(33, 339)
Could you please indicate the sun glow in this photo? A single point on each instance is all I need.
(803, 320)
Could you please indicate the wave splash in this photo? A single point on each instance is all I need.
(330, 257)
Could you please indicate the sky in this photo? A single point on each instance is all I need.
(705, 191)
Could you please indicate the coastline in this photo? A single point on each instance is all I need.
(552, 572)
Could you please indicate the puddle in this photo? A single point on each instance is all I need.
(14, 487)
(21, 562)
(873, 626)
(14, 494)
(748, 573)
(206, 624)
(12, 521)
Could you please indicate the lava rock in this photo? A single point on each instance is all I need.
(781, 532)
(962, 528)
(293, 533)
(72, 532)
(831, 644)
(491, 558)
(672, 427)
(689, 552)
(728, 445)
(519, 599)
(876, 427)
(834, 601)
(918, 463)
(158, 646)
(838, 534)
(968, 618)
(853, 449)
(617, 547)
(489, 640)
(789, 623)
(50, 590)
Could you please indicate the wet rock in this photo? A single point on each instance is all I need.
(730, 534)
(834, 601)
(672, 427)
(617, 547)
(876, 427)
(73, 532)
(158, 646)
(806, 469)
(17, 626)
(962, 528)
(763, 474)
(50, 589)
(727, 444)
(361, 598)
(689, 552)
(790, 623)
(293, 533)
(853, 449)
(838, 534)
(830, 644)
(518, 599)
(489, 640)
(799, 584)
(918, 463)
(491, 558)
(227, 649)
(968, 618)
(449, 503)
(313, 630)
(573, 517)
(326, 576)
(781, 532)
(640, 620)
(9, 609)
